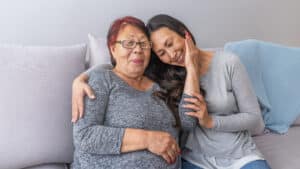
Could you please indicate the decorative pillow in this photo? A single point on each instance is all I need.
(35, 104)
(98, 51)
(280, 70)
(249, 57)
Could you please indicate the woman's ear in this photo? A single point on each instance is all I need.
(112, 48)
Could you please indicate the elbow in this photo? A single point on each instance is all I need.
(188, 123)
(258, 125)
(188, 127)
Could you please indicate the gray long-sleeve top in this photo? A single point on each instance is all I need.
(98, 135)
(233, 105)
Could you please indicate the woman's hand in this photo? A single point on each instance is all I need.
(164, 145)
(80, 88)
(198, 104)
(192, 59)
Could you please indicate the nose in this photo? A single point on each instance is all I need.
(171, 54)
(137, 48)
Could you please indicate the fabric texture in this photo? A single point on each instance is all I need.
(35, 106)
(98, 51)
(258, 164)
(297, 122)
(280, 151)
(233, 105)
(275, 67)
(98, 135)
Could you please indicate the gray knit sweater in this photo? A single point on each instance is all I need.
(98, 135)
(233, 105)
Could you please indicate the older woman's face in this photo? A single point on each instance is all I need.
(168, 46)
(133, 61)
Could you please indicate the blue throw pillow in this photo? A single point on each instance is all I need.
(275, 73)
(251, 60)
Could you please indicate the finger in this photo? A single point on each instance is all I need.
(192, 106)
(80, 105)
(75, 112)
(166, 157)
(172, 155)
(190, 41)
(193, 101)
(193, 114)
(199, 96)
(89, 91)
(187, 47)
(177, 148)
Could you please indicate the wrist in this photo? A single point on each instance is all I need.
(192, 70)
(147, 139)
(208, 122)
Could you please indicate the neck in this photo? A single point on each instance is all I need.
(131, 79)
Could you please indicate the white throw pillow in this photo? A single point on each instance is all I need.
(35, 104)
(98, 51)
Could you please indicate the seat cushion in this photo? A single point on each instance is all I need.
(281, 151)
(35, 104)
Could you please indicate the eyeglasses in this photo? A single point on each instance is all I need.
(130, 44)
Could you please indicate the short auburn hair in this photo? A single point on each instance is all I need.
(115, 28)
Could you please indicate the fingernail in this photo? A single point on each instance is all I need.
(93, 96)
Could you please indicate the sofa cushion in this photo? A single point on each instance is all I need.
(98, 51)
(281, 151)
(35, 109)
(297, 122)
(279, 68)
(251, 60)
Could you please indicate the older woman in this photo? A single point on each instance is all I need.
(126, 125)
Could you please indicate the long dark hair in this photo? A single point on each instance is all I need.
(170, 78)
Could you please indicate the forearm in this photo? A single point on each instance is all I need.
(134, 140)
(191, 85)
(188, 123)
(238, 122)
(99, 139)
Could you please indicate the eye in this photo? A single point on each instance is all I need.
(130, 43)
(169, 43)
(161, 54)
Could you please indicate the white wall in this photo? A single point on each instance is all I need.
(213, 22)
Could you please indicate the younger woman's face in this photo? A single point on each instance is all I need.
(169, 46)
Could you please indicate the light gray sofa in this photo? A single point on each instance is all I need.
(35, 105)
(35, 111)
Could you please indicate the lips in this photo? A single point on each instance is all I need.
(138, 61)
(180, 58)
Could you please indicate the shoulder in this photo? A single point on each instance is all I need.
(99, 78)
(227, 59)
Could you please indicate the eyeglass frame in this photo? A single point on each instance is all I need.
(135, 43)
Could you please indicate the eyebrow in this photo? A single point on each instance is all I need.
(133, 36)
